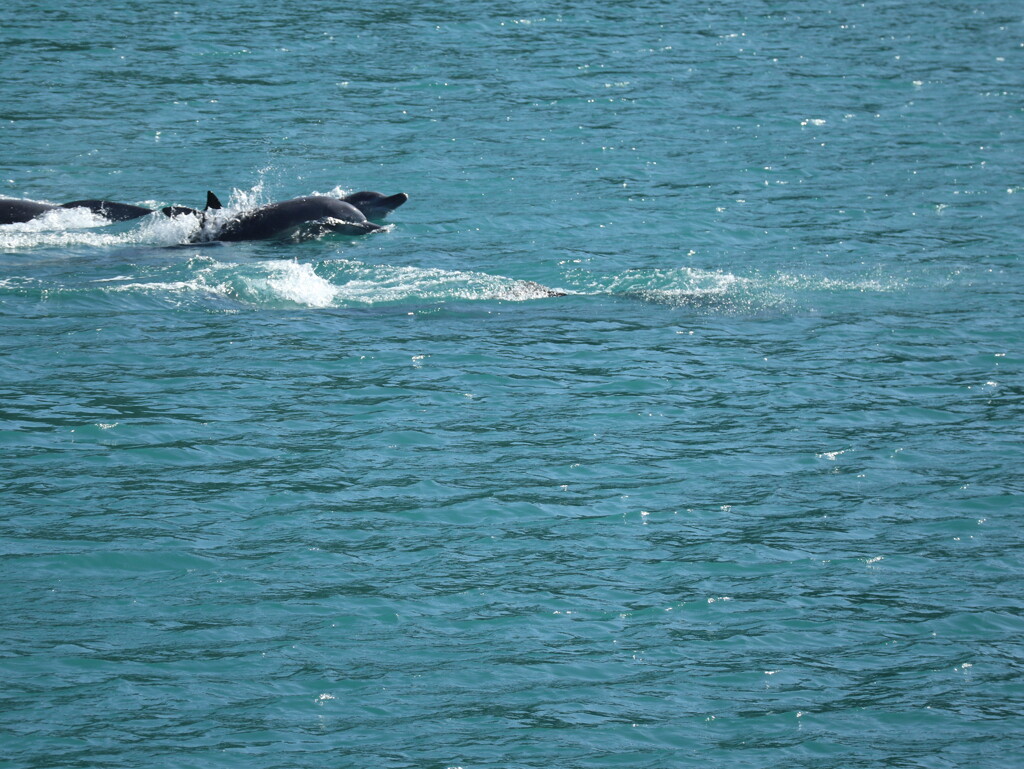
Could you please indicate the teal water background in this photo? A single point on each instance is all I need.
(750, 495)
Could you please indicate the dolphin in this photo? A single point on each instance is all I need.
(311, 215)
(16, 211)
(375, 205)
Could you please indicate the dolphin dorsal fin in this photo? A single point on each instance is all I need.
(212, 203)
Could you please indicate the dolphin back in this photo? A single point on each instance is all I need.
(179, 210)
(281, 218)
(16, 211)
(108, 209)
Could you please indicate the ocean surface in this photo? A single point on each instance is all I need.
(750, 494)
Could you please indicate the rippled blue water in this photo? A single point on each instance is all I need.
(749, 495)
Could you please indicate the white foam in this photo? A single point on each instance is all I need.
(386, 284)
(57, 227)
(682, 285)
(335, 192)
(336, 283)
(292, 282)
(198, 284)
(245, 200)
(726, 290)
(69, 227)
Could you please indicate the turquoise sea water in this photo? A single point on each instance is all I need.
(749, 495)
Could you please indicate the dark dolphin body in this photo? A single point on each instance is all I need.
(313, 215)
(14, 211)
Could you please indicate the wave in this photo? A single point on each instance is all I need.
(347, 283)
(724, 291)
(329, 283)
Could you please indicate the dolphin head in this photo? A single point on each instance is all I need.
(375, 205)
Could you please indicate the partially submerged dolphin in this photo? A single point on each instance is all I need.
(375, 205)
(15, 211)
(312, 215)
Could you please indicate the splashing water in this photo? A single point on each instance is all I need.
(332, 283)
